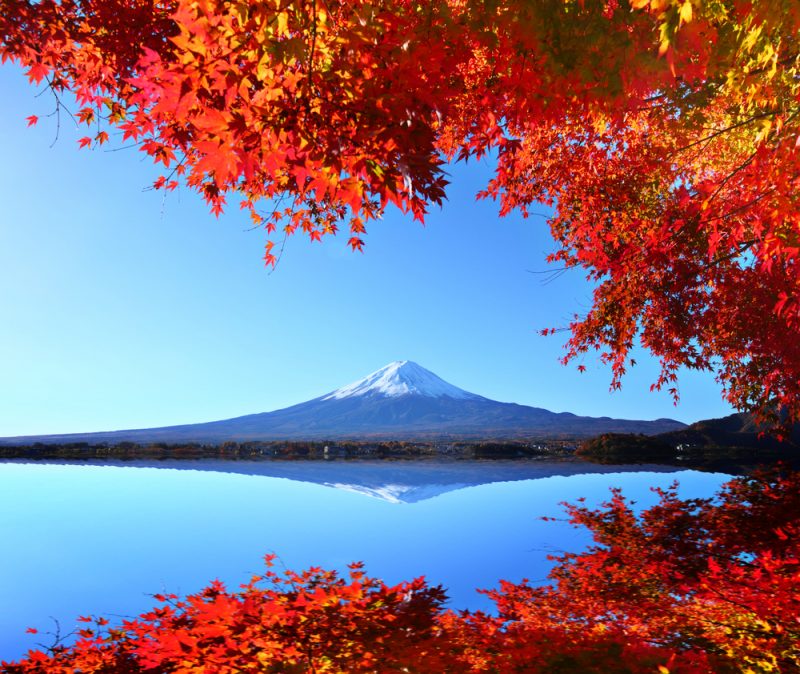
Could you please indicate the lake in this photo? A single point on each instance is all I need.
(95, 538)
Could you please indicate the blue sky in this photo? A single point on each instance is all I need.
(125, 309)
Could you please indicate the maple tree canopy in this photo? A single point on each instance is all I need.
(665, 133)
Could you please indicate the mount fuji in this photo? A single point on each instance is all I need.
(400, 401)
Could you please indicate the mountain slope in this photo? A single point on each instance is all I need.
(734, 430)
(734, 444)
(400, 401)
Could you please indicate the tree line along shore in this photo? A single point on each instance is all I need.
(693, 451)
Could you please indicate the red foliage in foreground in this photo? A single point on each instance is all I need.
(690, 586)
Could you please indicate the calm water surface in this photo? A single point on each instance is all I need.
(99, 539)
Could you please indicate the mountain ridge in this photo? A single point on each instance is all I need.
(402, 400)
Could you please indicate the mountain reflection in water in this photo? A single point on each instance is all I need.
(92, 538)
(403, 481)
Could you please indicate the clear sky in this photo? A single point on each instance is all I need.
(125, 309)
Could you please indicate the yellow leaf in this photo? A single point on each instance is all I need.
(686, 12)
(283, 24)
(241, 11)
(751, 38)
(600, 124)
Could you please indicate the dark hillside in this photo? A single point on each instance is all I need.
(727, 443)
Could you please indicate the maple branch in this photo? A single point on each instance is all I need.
(550, 271)
(741, 248)
(739, 209)
(654, 97)
(730, 175)
(279, 255)
(264, 218)
(57, 111)
(727, 599)
(780, 62)
(138, 143)
(58, 638)
(331, 16)
(554, 274)
(311, 53)
(719, 132)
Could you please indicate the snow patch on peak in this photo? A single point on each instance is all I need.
(399, 493)
(400, 378)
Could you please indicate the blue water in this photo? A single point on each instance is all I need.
(99, 539)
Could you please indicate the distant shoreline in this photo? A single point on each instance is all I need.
(606, 449)
(295, 450)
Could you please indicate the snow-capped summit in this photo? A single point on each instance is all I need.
(402, 378)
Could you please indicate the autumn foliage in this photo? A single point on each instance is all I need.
(694, 586)
(665, 132)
